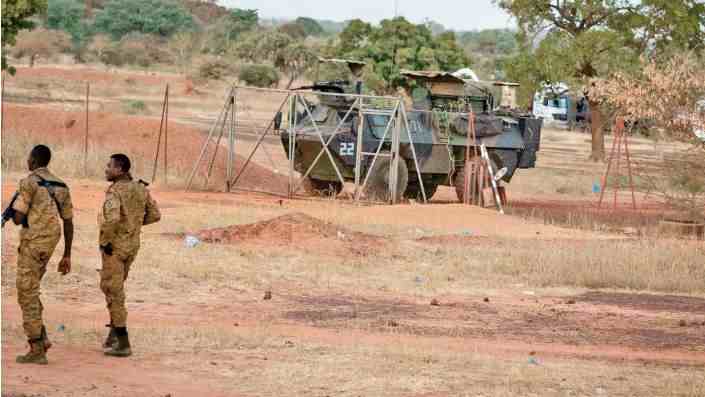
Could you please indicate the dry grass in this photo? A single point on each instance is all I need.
(68, 159)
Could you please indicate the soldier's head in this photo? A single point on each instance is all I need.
(38, 157)
(118, 167)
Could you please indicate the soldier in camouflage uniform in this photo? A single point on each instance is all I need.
(127, 207)
(41, 200)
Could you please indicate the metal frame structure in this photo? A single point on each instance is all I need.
(361, 104)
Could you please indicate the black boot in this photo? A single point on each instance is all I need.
(122, 347)
(36, 354)
(111, 339)
(45, 338)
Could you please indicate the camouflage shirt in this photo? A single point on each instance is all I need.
(42, 211)
(127, 207)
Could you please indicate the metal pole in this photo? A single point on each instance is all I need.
(629, 167)
(259, 142)
(217, 146)
(618, 137)
(360, 146)
(166, 137)
(207, 142)
(394, 169)
(379, 149)
(325, 147)
(607, 174)
(327, 144)
(159, 139)
(2, 104)
(293, 120)
(231, 140)
(413, 152)
(490, 171)
(85, 138)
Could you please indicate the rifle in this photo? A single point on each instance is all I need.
(9, 212)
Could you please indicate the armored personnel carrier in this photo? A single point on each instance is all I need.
(437, 110)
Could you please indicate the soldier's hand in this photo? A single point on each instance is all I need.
(64, 266)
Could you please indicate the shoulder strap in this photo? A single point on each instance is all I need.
(49, 186)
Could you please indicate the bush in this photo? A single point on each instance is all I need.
(259, 75)
(214, 69)
(134, 106)
(157, 17)
(40, 43)
(134, 49)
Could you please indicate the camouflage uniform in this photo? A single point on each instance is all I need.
(38, 241)
(127, 207)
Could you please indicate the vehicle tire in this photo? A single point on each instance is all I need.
(413, 189)
(318, 187)
(377, 187)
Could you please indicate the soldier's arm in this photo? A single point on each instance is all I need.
(24, 200)
(111, 218)
(152, 214)
(67, 217)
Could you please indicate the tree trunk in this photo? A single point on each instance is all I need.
(598, 133)
(31, 60)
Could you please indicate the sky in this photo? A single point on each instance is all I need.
(453, 14)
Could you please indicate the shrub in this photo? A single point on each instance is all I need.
(214, 69)
(134, 106)
(259, 75)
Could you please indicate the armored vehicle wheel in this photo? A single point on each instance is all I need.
(377, 187)
(318, 187)
(413, 190)
(459, 180)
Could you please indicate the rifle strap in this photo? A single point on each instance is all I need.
(49, 186)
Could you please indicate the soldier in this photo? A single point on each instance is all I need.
(41, 200)
(127, 207)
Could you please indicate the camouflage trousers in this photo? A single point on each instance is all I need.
(32, 263)
(112, 282)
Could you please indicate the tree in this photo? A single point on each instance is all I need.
(290, 56)
(183, 46)
(294, 30)
(229, 28)
(40, 43)
(310, 26)
(155, 17)
(397, 44)
(15, 17)
(67, 15)
(671, 95)
(585, 39)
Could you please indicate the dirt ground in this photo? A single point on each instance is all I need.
(199, 314)
(328, 298)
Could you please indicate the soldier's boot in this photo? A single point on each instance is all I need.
(45, 338)
(36, 354)
(111, 339)
(122, 347)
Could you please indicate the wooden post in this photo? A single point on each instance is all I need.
(159, 138)
(166, 135)
(85, 138)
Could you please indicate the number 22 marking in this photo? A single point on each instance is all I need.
(347, 148)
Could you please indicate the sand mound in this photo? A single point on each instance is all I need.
(296, 229)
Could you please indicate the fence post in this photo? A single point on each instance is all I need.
(85, 138)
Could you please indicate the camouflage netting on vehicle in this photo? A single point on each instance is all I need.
(485, 125)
